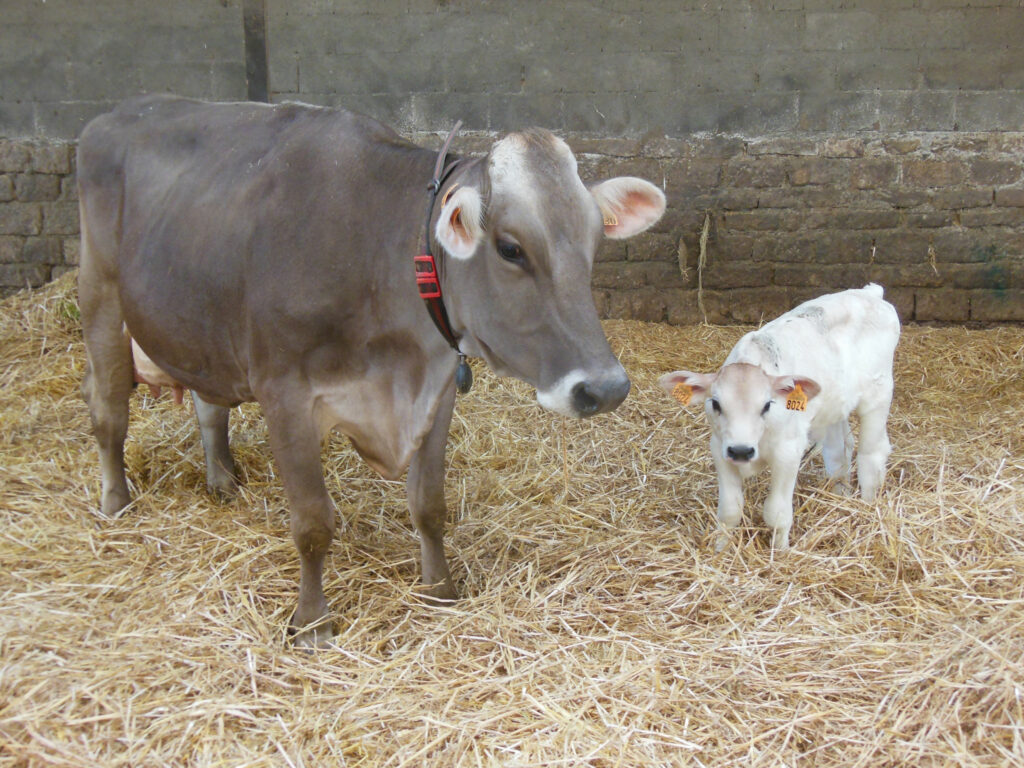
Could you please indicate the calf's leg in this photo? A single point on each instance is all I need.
(730, 496)
(778, 506)
(425, 489)
(874, 449)
(837, 450)
(213, 428)
(295, 442)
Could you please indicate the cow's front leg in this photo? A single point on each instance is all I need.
(295, 442)
(213, 428)
(778, 507)
(425, 488)
(730, 496)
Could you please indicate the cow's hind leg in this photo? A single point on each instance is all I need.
(108, 377)
(295, 442)
(221, 477)
(425, 488)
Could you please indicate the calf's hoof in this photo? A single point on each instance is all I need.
(780, 540)
(721, 540)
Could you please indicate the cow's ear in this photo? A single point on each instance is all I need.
(628, 205)
(795, 389)
(459, 227)
(686, 387)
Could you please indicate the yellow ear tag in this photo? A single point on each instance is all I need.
(682, 393)
(610, 220)
(797, 400)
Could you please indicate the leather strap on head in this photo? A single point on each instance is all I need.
(428, 280)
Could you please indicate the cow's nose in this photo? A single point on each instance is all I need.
(591, 398)
(740, 452)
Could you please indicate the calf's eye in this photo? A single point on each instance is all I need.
(715, 406)
(766, 407)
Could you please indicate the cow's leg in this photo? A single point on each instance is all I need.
(730, 496)
(108, 375)
(295, 442)
(874, 449)
(837, 450)
(213, 428)
(425, 488)
(778, 506)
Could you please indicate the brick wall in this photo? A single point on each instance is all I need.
(824, 142)
(938, 219)
(38, 213)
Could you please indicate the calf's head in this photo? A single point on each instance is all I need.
(740, 401)
(520, 231)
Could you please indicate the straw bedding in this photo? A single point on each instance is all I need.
(597, 627)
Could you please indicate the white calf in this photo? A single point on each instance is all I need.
(793, 382)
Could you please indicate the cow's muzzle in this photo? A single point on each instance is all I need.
(580, 396)
(591, 399)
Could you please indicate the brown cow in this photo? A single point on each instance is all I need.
(265, 253)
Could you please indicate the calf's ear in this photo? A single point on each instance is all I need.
(686, 387)
(628, 205)
(785, 385)
(459, 228)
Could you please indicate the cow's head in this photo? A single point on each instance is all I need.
(740, 400)
(521, 230)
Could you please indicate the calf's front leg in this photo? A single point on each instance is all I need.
(425, 489)
(778, 507)
(730, 496)
(295, 442)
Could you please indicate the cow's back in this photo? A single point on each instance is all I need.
(214, 217)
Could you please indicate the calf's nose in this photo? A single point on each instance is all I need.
(590, 398)
(740, 452)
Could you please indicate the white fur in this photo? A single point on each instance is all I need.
(558, 398)
(629, 205)
(461, 241)
(842, 342)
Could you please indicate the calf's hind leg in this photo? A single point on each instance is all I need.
(873, 450)
(837, 451)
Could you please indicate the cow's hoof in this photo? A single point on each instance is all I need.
(114, 503)
(222, 488)
(439, 594)
(317, 637)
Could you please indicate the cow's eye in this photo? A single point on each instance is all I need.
(511, 252)
(767, 405)
(715, 406)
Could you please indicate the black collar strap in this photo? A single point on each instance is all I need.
(428, 281)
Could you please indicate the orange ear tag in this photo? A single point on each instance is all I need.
(797, 400)
(683, 393)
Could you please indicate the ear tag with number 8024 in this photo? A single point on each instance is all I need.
(796, 400)
(683, 393)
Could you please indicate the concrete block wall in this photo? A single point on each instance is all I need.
(824, 142)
